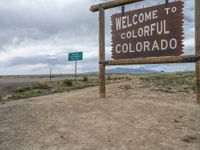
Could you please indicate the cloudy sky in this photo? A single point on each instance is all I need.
(38, 34)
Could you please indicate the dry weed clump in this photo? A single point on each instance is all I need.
(44, 83)
(6, 98)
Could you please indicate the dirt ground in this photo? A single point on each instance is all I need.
(135, 118)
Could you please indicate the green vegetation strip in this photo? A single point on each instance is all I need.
(171, 83)
(44, 88)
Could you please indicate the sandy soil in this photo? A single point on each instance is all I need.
(128, 119)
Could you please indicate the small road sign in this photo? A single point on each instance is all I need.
(75, 56)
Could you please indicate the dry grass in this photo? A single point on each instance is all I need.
(169, 83)
(172, 83)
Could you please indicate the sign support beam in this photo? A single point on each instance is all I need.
(153, 60)
(112, 4)
(102, 51)
(197, 44)
(75, 69)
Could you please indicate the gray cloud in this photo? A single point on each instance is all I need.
(35, 32)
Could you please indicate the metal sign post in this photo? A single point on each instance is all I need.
(50, 76)
(75, 69)
(75, 57)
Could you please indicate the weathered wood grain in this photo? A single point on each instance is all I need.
(153, 60)
(197, 45)
(102, 52)
(112, 4)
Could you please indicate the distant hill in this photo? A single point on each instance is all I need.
(140, 70)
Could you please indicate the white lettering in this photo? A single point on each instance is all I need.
(128, 35)
(117, 50)
(146, 31)
(174, 9)
(165, 28)
(164, 44)
(125, 48)
(130, 48)
(155, 16)
(139, 47)
(123, 36)
(155, 46)
(167, 10)
(140, 32)
(135, 22)
(124, 22)
(146, 45)
(141, 18)
(128, 22)
(118, 23)
(173, 43)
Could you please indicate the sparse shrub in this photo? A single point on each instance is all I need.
(85, 78)
(38, 91)
(22, 89)
(44, 81)
(126, 87)
(114, 79)
(6, 98)
(68, 82)
(109, 77)
(128, 79)
(43, 84)
(54, 90)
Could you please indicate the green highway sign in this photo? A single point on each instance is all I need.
(75, 56)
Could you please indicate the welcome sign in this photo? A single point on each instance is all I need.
(149, 32)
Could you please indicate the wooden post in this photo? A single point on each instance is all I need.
(50, 75)
(153, 60)
(112, 4)
(197, 47)
(75, 70)
(102, 51)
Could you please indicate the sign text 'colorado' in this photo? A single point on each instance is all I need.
(149, 32)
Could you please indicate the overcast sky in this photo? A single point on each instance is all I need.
(38, 34)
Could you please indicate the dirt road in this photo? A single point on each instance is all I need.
(130, 118)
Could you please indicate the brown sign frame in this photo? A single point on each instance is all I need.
(149, 60)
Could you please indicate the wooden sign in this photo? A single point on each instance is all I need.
(149, 32)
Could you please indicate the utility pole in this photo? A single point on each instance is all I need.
(50, 74)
